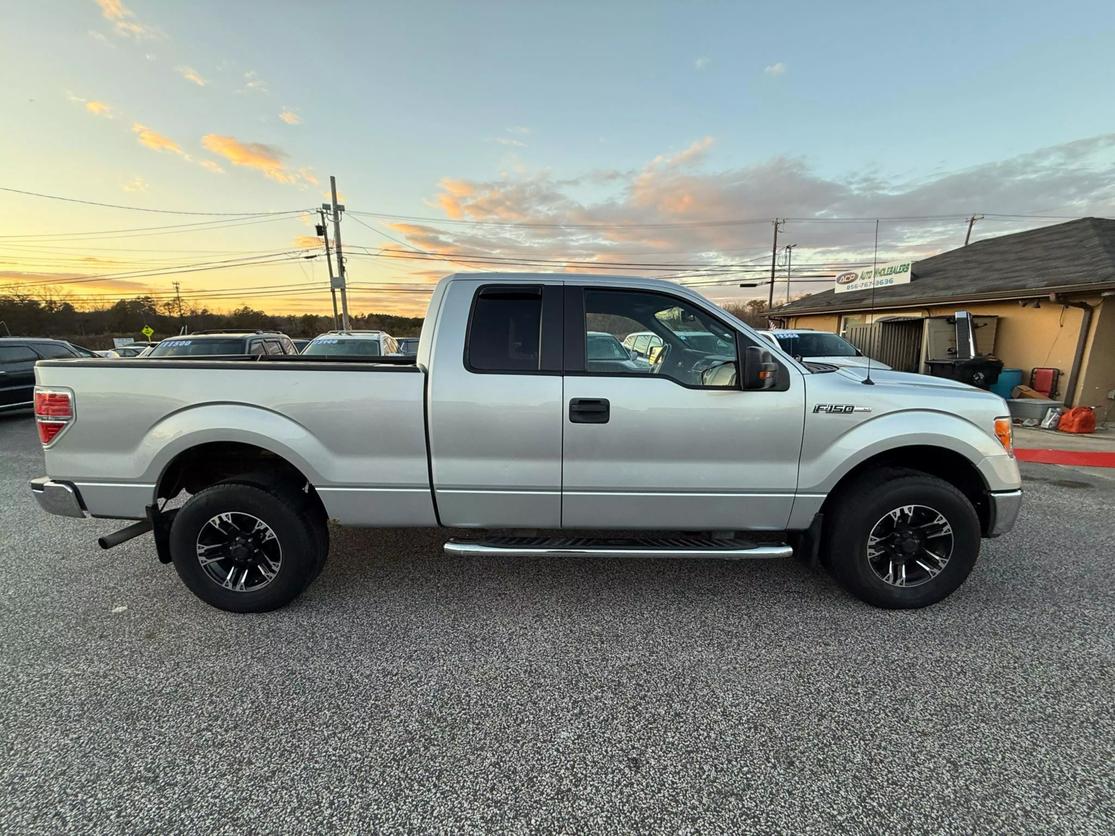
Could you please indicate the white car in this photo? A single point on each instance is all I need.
(353, 344)
(819, 347)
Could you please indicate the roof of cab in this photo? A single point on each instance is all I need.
(566, 278)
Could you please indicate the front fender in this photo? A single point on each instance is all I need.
(834, 445)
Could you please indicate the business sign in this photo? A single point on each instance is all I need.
(896, 272)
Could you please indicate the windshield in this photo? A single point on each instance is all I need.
(331, 347)
(816, 345)
(195, 348)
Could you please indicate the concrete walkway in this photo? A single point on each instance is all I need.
(1074, 449)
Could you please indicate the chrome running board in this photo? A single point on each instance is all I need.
(669, 547)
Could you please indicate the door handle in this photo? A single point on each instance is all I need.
(589, 411)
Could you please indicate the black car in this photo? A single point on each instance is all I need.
(18, 356)
(223, 344)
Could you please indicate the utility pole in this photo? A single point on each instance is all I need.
(336, 209)
(181, 317)
(773, 263)
(329, 260)
(971, 222)
(789, 256)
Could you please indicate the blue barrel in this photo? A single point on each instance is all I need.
(1008, 379)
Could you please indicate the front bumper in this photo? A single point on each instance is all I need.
(59, 498)
(1004, 509)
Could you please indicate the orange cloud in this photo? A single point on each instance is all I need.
(209, 165)
(451, 193)
(99, 109)
(157, 141)
(307, 241)
(124, 21)
(190, 74)
(290, 117)
(264, 158)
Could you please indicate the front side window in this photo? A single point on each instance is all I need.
(17, 354)
(505, 331)
(679, 341)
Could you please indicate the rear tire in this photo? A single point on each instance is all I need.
(901, 539)
(243, 549)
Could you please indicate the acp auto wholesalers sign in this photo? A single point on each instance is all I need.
(896, 272)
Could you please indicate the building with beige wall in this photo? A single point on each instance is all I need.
(1044, 298)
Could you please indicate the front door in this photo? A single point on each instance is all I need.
(671, 442)
(495, 409)
(17, 376)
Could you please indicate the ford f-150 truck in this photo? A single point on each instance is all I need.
(724, 446)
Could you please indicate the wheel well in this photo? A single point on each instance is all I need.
(220, 461)
(945, 464)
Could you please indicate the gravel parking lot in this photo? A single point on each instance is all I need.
(408, 690)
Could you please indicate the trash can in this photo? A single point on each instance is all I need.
(978, 371)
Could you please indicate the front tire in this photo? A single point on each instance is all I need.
(243, 549)
(901, 539)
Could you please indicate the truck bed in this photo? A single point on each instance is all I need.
(355, 429)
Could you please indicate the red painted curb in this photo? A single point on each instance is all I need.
(1079, 458)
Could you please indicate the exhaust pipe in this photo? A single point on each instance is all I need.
(124, 534)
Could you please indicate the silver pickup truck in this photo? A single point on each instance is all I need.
(508, 421)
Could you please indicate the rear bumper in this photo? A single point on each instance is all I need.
(1004, 507)
(59, 498)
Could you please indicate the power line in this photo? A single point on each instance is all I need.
(142, 231)
(139, 208)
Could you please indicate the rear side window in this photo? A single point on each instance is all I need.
(17, 354)
(49, 351)
(505, 330)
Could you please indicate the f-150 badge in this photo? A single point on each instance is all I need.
(839, 408)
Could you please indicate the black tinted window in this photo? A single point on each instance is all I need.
(49, 351)
(505, 332)
(16, 354)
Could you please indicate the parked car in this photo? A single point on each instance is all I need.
(819, 347)
(224, 343)
(18, 356)
(353, 344)
(137, 349)
(503, 424)
(408, 346)
(606, 353)
(642, 343)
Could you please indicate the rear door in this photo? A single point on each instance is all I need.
(495, 408)
(664, 445)
(17, 375)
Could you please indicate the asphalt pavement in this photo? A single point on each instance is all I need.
(412, 691)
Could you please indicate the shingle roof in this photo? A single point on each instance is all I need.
(1078, 253)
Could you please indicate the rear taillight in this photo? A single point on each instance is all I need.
(54, 411)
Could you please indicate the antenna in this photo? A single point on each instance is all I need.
(867, 381)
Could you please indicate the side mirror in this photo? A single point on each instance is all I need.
(759, 369)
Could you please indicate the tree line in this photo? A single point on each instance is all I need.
(27, 315)
(43, 315)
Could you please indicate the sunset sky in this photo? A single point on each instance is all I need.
(657, 137)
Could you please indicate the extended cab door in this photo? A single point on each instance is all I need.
(673, 443)
(495, 407)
